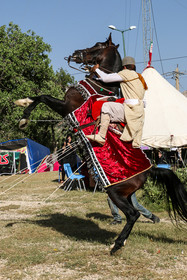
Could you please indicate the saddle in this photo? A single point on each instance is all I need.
(96, 112)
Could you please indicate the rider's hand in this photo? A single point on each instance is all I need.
(94, 68)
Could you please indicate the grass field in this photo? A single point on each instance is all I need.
(69, 236)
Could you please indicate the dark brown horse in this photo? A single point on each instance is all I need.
(107, 56)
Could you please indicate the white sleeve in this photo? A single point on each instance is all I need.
(108, 78)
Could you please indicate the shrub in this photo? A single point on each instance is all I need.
(153, 195)
(182, 174)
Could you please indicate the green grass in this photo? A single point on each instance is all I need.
(69, 237)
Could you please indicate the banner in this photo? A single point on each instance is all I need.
(150, 54)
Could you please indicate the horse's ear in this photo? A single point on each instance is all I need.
(117, 46)
(109, 41)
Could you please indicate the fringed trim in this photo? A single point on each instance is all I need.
(93, 165)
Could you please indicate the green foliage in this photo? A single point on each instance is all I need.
(64, 79)
(153, 195)
(25, 71)
(182, 174)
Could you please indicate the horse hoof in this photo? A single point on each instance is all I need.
(23, 102)
(116, 249)
(23, 123)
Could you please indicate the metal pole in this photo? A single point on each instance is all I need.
(177, 78)
(122, 32)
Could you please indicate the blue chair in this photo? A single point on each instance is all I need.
(164, 165)
(73, 178)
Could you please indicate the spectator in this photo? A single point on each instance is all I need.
(68, 156)
(146, 213)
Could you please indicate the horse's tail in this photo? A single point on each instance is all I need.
(176, 194)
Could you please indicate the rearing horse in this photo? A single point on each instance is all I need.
(107, 56)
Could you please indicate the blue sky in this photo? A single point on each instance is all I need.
(68, 25)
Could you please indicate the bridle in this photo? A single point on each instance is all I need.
(83, 58)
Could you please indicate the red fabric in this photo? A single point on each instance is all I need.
(88, 87)
(43, 168)
(118, 159)
(56, 166)
(120, 100)
(150, 54)
(96, 107)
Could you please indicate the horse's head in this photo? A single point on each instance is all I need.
(94, 54)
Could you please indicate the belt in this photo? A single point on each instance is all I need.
(132, 101)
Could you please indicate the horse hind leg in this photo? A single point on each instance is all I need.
(23, 102)
(121, 240)
(131, 216)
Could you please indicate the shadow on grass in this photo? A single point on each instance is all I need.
(77, 228)
(99, 216)
(74, 227)
(82, 229)
(162, 237)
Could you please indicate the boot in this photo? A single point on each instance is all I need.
(100, 137)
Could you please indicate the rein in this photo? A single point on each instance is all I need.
(68, 59)
(87, 66)
(100, 87)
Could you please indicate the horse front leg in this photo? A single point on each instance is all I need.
(72, 100)
(30, 104)
(59, 106)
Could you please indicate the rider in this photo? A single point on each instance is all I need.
(133, 88)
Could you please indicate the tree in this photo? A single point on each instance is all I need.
(25, 71)
(63, 79)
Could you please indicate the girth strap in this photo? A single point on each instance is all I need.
(96, 123)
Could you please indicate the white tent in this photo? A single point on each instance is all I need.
(165, 113)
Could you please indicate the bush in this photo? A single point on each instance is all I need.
(153, 195)
(182, 174)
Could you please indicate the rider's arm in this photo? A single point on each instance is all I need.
(108, 78)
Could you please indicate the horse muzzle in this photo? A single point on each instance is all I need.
(77, 57)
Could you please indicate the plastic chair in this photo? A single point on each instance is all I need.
(164, 165)
(72, 177)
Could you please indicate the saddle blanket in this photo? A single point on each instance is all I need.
(119, 160)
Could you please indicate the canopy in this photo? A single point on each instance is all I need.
(31, 154)
(165, 113)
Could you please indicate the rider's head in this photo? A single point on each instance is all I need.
(128, 62)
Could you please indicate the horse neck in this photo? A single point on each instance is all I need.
(110, 64)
